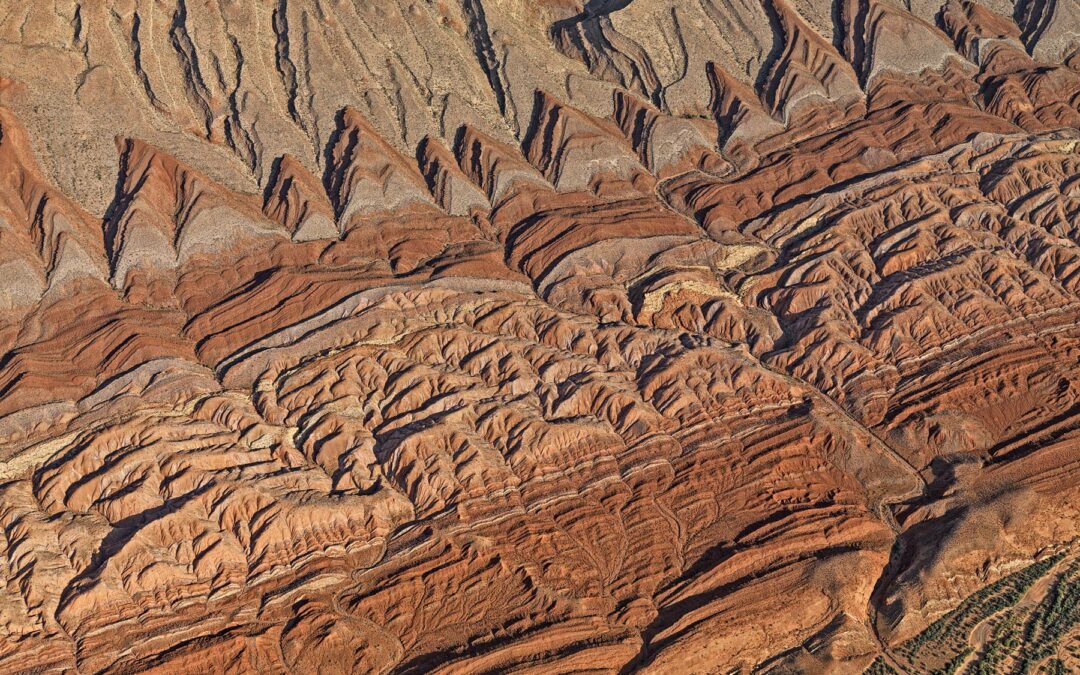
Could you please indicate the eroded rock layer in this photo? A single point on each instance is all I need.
(547, 337)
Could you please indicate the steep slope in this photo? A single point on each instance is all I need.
(48, 242)
(167, 214)
(555, 336)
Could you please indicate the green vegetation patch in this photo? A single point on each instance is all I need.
(1020, 637)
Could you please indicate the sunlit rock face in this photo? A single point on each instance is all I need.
(478, 336)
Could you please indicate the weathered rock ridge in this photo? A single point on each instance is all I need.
(550, 337)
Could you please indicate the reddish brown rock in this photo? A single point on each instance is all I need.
(668, 145)
(166, 214)
(297, 200)
(367, 174)
(451, 187)
(381, 361)
(47, 243)
(576, 152)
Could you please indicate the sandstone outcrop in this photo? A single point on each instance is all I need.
(533, 337)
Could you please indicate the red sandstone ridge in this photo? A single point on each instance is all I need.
(536, 336)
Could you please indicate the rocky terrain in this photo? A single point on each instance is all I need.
(467, 336)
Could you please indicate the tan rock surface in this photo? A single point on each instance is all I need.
(478, 336)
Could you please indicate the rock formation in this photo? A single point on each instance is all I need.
(554, 336)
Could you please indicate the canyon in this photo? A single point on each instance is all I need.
(468, 336)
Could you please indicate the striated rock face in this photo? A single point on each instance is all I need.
(477, 336)
(47, 243)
